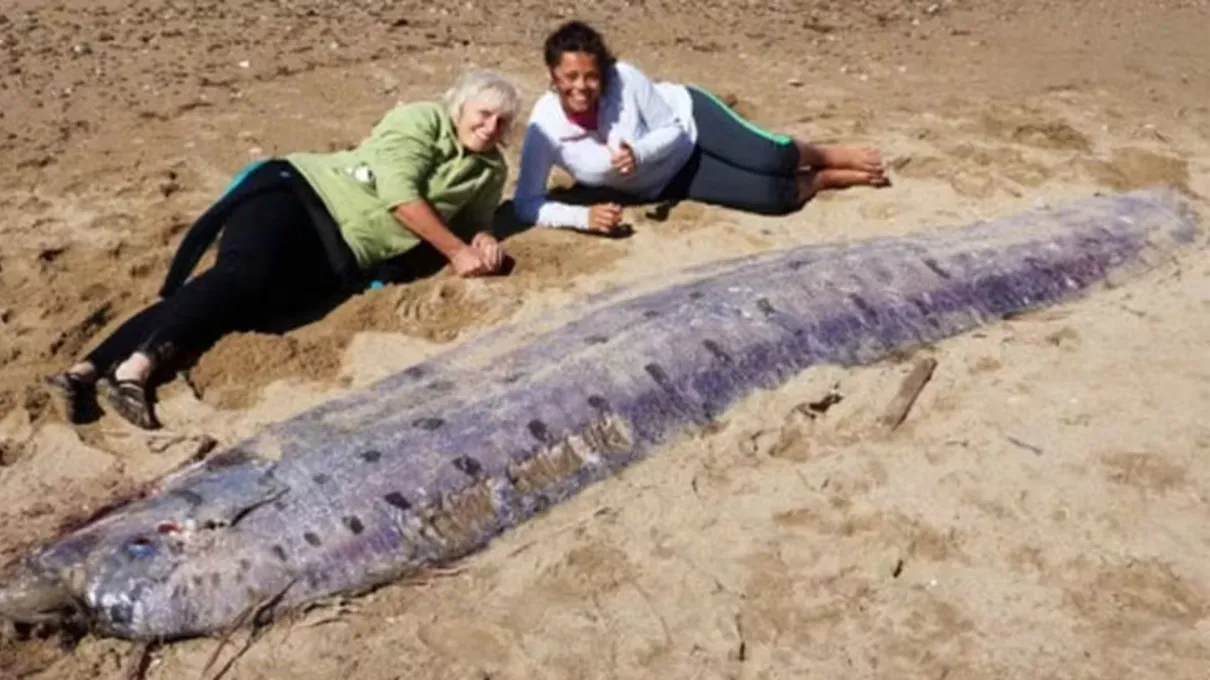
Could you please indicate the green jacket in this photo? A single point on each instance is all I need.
(412, 152)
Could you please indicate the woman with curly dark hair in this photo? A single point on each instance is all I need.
(609, 126)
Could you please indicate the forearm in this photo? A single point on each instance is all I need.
(419, 218)
(659, 143)
(541, 212)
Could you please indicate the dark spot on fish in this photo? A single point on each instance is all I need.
(415, 372)
(178, 591)
(795, 265)
(659, 375)
(696, 295)
(512, 378)
(197, 581)
(396, 499)
(311, 538)
(661, 378)
(191, 497)
(354, 524)
(596, 340)
(120, 613)
(538, 429)
(541, 504)
(923, 308)
(718, 352)
(321, 478)
(881, 274)
(428, 424)
(441, 385)
(216, 579)
(468, 466)
(280, 505)
(245, 564)
(371, 456)
(598, 402)
(651, 313)
(765, 307)
(866, 310)
(279, 552)
(933, 265)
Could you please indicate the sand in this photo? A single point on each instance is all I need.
(1040, 513)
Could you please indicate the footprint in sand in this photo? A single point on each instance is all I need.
(1133, 168)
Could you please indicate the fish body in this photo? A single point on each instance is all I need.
(428, 465)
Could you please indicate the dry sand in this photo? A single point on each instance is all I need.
(1042, 512)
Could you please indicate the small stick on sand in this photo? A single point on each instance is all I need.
(140, 661)
(912, 385)
(1025, 445)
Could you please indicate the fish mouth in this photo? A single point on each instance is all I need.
(28, 595)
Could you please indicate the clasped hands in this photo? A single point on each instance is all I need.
(484, 255)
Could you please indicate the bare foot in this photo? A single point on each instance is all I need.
(863, 158)
(833, 178)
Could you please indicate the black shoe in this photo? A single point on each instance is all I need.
(129, 399)
(74, 397)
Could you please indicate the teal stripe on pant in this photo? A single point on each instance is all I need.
(747, 124)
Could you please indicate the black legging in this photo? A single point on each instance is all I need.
(270, 257)
(736, 164)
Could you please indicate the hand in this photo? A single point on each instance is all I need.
(491, 250)
(469, 261)
(623, 159)
(604, 217)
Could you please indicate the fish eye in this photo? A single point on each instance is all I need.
(140, 547)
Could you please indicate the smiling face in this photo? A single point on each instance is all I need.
(577, 80)
(481, 125)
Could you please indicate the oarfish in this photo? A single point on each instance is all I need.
(430, 464)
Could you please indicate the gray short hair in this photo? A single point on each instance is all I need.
(471, 83)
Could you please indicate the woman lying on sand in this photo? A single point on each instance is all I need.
(309, 225)
(608, 125)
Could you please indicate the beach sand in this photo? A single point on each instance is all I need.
(1041, 513)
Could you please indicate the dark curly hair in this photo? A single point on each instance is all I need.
(577, 36)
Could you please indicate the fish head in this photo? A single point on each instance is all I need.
(105, 574)
(145, 567)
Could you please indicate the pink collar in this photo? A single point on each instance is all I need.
(587, 120)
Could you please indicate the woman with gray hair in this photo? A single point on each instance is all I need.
(310, 224)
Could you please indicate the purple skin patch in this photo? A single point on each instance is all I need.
(430, 464)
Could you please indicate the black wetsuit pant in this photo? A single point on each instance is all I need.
(736, 164)
(278, 249)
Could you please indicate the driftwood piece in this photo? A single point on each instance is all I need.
(895, 413)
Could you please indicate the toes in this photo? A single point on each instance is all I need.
(860, 158)
(872, 160)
